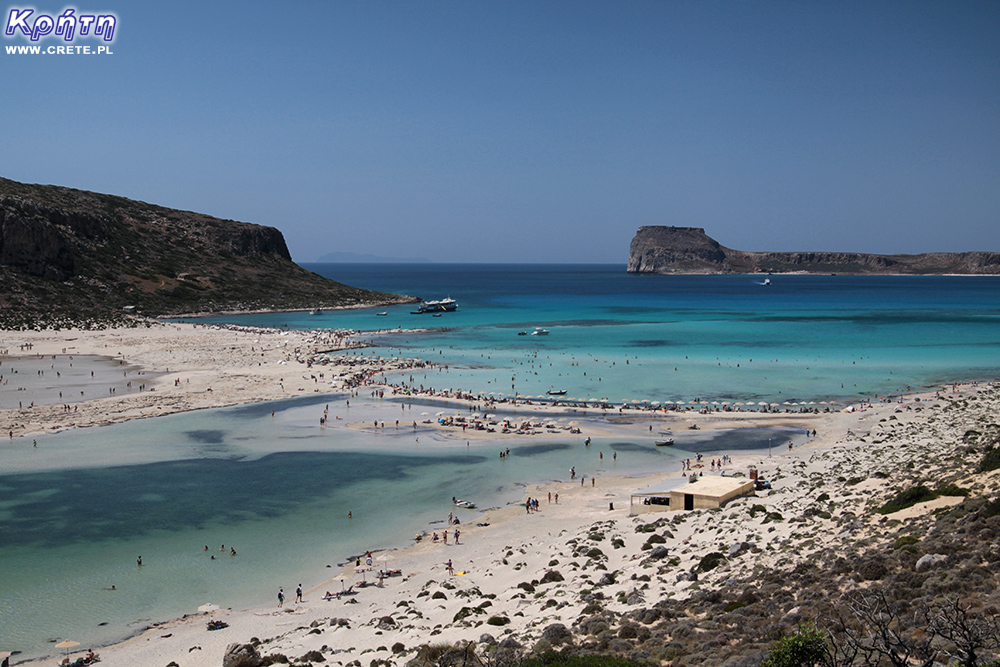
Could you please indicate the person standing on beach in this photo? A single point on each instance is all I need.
(298, 594)
(448, 566)
(281, 597)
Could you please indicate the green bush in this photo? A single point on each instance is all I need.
(907, 498)
(711, 561)
(806, 648)
(992, 508)
(991, 461)
(952, 490)
(905, 540)
(498, 620)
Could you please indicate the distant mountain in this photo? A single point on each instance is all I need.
(688, 250)
(355, 258)
(68, 256)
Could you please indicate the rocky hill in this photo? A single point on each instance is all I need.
(681, 250)
(70, 255)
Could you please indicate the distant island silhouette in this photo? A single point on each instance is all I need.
(689, 250)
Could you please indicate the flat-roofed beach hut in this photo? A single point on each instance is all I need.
(703, 493)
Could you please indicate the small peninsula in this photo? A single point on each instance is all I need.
(689, 250)
(70, 255)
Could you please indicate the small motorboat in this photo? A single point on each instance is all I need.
(522, 333)
(382, 314)
(556, 392)
(464, 504)
(540, 332)
(665, 443)
(316, 311)
(767, 281)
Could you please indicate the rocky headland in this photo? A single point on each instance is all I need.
(72, 256)
(689, 250)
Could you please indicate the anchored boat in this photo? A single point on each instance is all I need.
(440, 306)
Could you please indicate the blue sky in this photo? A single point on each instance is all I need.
(533, 131)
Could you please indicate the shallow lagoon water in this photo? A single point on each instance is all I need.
(79, 509)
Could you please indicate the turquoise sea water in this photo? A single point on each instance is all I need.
(677, 338)
(77, 511)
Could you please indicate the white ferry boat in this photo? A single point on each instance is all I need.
(440, 306)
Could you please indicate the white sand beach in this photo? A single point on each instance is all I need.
(522, 571)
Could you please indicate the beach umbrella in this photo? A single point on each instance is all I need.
(762, 403)
(341, 578)
(67, 645)
(680, 402)
(655, 403)
(208, 608)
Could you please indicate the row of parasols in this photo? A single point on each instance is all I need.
(637, 402)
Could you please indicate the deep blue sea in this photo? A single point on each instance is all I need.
(77, 511)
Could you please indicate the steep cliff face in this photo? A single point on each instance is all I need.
(681, 249)
(687, 250)
(83, 253)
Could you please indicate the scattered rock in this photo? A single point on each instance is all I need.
(930, 561)
(738, 548)
(241, 655)
(658, 553)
